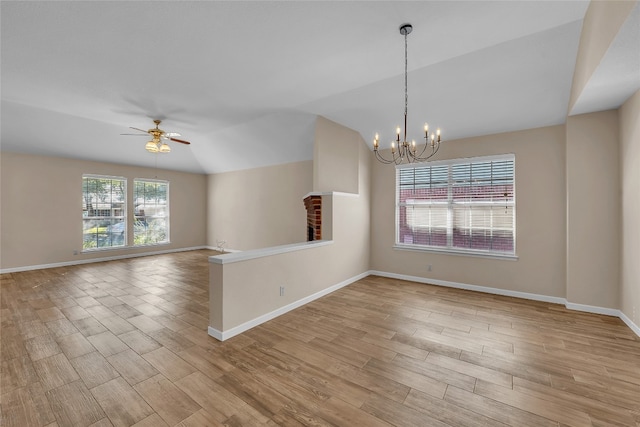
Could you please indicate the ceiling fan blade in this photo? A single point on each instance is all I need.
(171, 134)
(134, 134)
(131, 127)
(181, 141)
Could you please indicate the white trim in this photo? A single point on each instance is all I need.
(92, 260)
(485, 289)
(224, 335)
(225, 250)
(165, 181)
(264, 252)
(330, 193)
(635, 328)
(216, 334)
(317, 193)
(93, 175)
(593, 309)
(232, 251)
(449, 251)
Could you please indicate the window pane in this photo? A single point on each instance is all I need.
(487, 228)
(425, 183)
(103, 212)
(423, 224)
(151, 212)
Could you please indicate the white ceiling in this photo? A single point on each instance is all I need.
(618, 75)
(244, 81)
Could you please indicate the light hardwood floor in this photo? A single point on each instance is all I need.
(124, 343)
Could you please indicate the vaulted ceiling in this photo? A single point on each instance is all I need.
(244, 81)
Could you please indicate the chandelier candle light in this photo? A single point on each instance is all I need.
(402, 150)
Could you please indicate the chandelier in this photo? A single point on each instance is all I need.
(403, 150)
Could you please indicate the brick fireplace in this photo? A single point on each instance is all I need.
(314, 217)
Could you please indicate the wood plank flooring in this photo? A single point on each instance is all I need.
(124, 343)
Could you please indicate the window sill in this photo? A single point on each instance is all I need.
(121, 248)
(146, 245)
(105, 249)
(479, 254)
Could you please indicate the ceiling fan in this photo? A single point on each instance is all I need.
(157, 143)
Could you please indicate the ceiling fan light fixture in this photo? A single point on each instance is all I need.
(158, 138)
(152, 146)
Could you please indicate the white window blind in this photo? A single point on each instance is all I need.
(462, 205)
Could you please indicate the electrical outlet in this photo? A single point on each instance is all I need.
(281, 291)
(75, 252)
(429, 267)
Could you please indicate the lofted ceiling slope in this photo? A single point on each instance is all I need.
(244, 81)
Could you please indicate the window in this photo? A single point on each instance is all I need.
(104, 212)
(151, 212)
(463, 205)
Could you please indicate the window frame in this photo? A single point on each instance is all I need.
(167, 217)
(123, 218)
(449, 248)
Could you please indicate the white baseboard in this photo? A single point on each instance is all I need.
(635, 328)
(537, 297)
(488, 290)
(92, 260)
(224, 250)
(593, 309)
(216, 334)
(224, 335)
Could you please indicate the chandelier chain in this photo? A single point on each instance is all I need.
(406, 94)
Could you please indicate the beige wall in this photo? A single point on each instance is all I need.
(41, 216)
(601, 25)
(235, 286)
(333, 166)
(629, 115)
(593, 209)
(540, 218)
(245, 290)
(258, 208)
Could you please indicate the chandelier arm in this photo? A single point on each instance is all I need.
(381, 158)
(434, 150)
(437, 148)
(423, 150)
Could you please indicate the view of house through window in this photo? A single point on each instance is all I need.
(151, 212)
(463, 205)
(104, 212)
